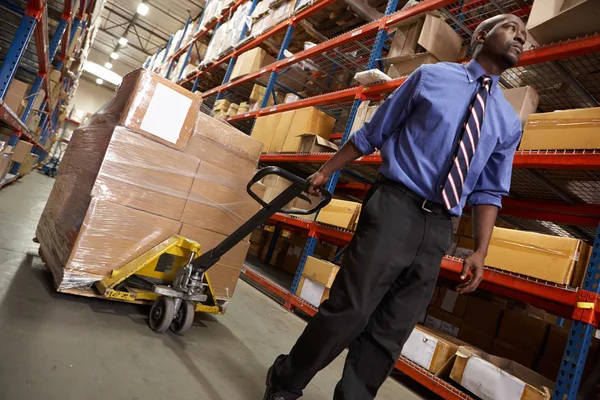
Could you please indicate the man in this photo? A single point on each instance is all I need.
(438, 151)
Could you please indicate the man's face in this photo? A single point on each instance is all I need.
(506, 40)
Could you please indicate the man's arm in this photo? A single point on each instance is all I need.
(485, 201)
(387, 119)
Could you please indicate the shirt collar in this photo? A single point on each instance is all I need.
(475, 71)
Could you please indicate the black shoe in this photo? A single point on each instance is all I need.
(269, 392)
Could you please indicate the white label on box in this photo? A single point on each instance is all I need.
(312, 292)
(166, 113)
(449, 301)
(356, 33)
(419, 348)
(489, 382)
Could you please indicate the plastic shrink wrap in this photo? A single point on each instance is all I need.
(121, 189)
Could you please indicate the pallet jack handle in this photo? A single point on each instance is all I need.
(298, 186)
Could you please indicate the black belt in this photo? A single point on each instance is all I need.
(426, 205)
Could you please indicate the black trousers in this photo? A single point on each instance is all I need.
(386, 281)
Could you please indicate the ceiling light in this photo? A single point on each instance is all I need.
(123, 41)
(103, 73)
(114, 55)
(107, 65)
(99, 81)
(143, 9)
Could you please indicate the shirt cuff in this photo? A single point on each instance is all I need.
(477, 198)
(360, 141)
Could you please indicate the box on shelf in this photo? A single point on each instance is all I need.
(476, 338)
(297, 122)
(434, 318)
(320, 271)
(294, 253)
(524, 100)
(312, 292)
(290, 98)
(453, 303)
(21, 151)
(507, 350)
(482, 316)
(264, 130)
(28, 164)
(340, 213)
(552, 20)
(251, 61)
(515, 323)
(311, 143)
(5, 161)
(497, 378)
(363, 115)
(431, 349)
(562, 130)
(15, 94)
(429, 32)
(552, 258)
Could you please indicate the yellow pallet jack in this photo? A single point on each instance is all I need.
(174, 275)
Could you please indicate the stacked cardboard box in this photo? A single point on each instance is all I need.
(146, 167)
(431, 349)
(281, 132)
(15, 94)
(221, 108)
(524, 100)
(22, 155)
(365, 112)
(5, 159)
(317, 278)
(251, 61)
(340, 213)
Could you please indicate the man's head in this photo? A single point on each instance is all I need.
(500, 39)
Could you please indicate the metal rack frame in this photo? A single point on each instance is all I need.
(559, 210)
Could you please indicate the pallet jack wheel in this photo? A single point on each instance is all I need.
(184, 318)
(162, 314)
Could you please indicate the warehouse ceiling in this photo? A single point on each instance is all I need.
(146, 33)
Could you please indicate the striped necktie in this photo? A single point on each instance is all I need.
(467, 145)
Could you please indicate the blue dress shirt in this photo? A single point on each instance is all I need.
(417, 130)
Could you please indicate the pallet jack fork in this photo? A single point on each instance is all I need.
(174, 275)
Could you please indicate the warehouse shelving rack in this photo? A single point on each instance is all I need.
(34, 23)
(555, 192)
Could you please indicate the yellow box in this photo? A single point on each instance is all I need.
(251, 61)
(431, 349)
(264, 130)
(307, 120)
(320, 271)
(340, 213)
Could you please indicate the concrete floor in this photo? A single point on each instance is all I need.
(56, 346)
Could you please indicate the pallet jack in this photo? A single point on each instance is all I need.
(174, 275)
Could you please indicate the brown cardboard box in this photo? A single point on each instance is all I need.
(552, 258)
(340, 213)
(140, 173)
(21, 151)
(311, 143)
(434, 318)
(255, 249)
(555, 344)
(560, 130)
(111, 235)
(524, 100)
(320, 271)
(258, 236)
(492, 377)
(514, 324)
(274, 186)
(476, 338)
(258, 92)
(313, 292)
(453, 303)
(28, 164)
(483, 316)
(251, 61)
(520, 355)
(552, 20)
(217, 203)
(451, 324)
(224, 275)
(294, 253)
(16, 92)
(5, 161)
(304, 120)
(431, 349)
(464, 246)
(440, 41)
(155, 107)
(264, 129)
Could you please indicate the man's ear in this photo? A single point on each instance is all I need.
(481, 35)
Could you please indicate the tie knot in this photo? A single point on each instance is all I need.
(486, 80)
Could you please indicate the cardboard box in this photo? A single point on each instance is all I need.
(15, 94)
(155, 107)
(451, 324)
(251, 61)
(552, 20)
(340, 213)
(432, 350)
(320, 271)
(552, 258)
(506, 350)
(304, 120)
(514, 324)
(312, 292)
(224, 275)
(556, 342)
(492, 377)
(311, 143)
(434, 318)
(294, 253)
(255, 249)
(21, 151)
(258, 236)
(524, 100)
(476, 338)
(483, 316)
(453, 303)
(28, 164)
(129, 175)
(258, 92)
(548, 131)
(427, 31)
(5, 162)
(264, 129)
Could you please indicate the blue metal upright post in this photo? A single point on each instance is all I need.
(580, 336)
(15, 52)
(271, 85)
(196, 82)
(58, 35)
(309, 249)
(35, 88)
(187, 24)
(186, 60)
(167, 50)
(74, 26)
